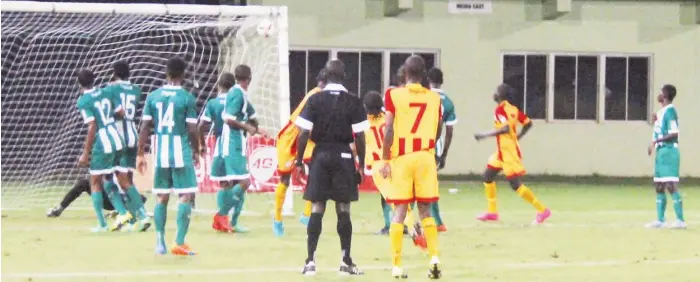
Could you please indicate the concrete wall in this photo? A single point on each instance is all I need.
(471, 49)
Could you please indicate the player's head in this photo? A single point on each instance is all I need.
(668, 93)
(121, 70)
(400, 76)
(321, 78)
(86, 78)
(373, 102)
(226, 81)
(435, 77)
(175, 69)
(503, 93)
(243, 75)
(335, 71)
(414, 69)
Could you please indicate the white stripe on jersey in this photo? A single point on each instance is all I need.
(104, 139)
(164, 150)
(115, 136)
(243, 143)
(218, 144)
(177, 151)
(131, 133)
(226, 142)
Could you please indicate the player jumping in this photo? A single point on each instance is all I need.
(449, 119)
(102, 145)
(413, 115)
(508, 157)
(171, 112)
(286, 154)
(667, 159)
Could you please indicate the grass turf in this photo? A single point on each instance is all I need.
(595, 234)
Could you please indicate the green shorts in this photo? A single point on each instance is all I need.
(126, 160)
(177, 179)
(231, 167)
(102, 163)
(667, 164)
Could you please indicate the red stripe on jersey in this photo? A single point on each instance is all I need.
(431, 143)
(417, 144)
(402, 146)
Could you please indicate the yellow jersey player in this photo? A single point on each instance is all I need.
(286, 154)
(413, 115)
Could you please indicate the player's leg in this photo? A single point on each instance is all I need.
(669, 171)
(435, 210)
(542, 211)
(237, 169)
(101, 164)
(162, 183)
(224, 197)
(81, 186)
(135, 203)
(672, 188)
(661, 201)
(343, 192)
(112, 190)
(317, 191)
(185, 186)
(400, 196)
(427, 193)
(239, 196)
(493, 167)
(382, 185)
(285, 165)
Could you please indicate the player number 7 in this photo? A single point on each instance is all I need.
(421, 111)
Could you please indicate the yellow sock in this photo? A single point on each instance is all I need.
(431, 235)
(396, 237)
(528, 196)
(490, 190)
(307, 208)
(280, 193)
(408, 221)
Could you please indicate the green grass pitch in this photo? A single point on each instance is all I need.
(595, 234)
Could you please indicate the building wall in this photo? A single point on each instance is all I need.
(471, 48)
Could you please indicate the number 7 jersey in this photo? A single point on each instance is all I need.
(417, 114)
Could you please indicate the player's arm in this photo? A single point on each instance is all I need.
(305, 123)
(234, 105)
(204, 123)
(389, 125)
(450, 118)
(119, 111)
(359, 125)
(191, 120)
(88, 118)
(525, 122)
(146, 126)
(503, 126)
(252, 117)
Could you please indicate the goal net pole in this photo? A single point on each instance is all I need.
(44, 43)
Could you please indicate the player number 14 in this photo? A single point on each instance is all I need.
(165, 117)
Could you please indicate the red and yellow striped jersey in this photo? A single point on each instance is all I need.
(374, 139)
(508, 115)
(417, 113)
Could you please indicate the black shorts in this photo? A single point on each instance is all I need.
(331, 175)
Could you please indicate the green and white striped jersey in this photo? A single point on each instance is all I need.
(237, 108)
(449, 118)
(213, 113)
(171, 108)
(99, 107)
(129, 95)
(666, 123)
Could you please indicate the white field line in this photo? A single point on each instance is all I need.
(263, 270)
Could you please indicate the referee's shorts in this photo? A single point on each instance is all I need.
(332, 174)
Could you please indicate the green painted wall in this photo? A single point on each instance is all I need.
(470, 56)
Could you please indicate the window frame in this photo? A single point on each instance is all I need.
(600, 105)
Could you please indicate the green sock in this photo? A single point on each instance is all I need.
(238, 200)
(386, 212)
(435, 211)
(135, 203)
(183, 222)
(98, 205)
(224, 199)
(115, 197)
(661, 206)
(160, 213)
(678, 205)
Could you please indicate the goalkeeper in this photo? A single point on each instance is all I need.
(80, 187)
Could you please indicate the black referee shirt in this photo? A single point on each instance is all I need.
(333, 115)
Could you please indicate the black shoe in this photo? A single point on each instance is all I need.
(384, 231)
(309, 269)
(54, 212)
(349, 269)
(418, 228)
(434, 271)
(405, 230)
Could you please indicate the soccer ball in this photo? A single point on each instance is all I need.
(265, 28)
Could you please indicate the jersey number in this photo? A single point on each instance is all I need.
(165, 117)
(129, 103)
(379, 138)
(419, 117)
(104, 107)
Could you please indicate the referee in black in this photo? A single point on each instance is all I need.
(337, 119)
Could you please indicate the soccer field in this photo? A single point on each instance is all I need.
(595, 234)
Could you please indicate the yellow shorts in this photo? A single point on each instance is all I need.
(383, 184)
(287, 149)
(510, 163)
(413, 178)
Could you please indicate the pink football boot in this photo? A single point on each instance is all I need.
(488, 217)
(542, 216)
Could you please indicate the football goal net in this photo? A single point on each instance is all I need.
(45, 44)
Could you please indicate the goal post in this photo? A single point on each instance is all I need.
(44, 44)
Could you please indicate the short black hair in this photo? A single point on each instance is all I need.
(373, 102)
(435, 76)
(505, 91)
(670, 91)
(121, 69)
(321, 76)
(176, 68)
(226, 81)
(335, 71)
(415, 68)
(86, 78)
(242, 72)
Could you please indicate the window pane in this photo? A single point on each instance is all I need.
(371, 72)
(615, 88)
(395, 61)
(317, 61)
(429, 64)
(564, 87)
(514, 76)
(297, 78)
(638, 88)
(536, 88)
(587, 87)
(352, 67)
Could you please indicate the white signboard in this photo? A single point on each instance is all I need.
(470, 7)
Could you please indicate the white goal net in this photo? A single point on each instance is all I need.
(44, 44)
